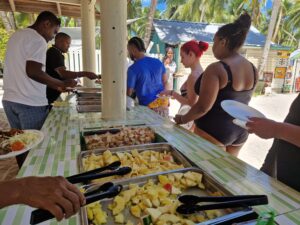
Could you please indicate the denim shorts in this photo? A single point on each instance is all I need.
(22, 116)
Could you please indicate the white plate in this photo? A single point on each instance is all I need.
(27, 148)
(240, 110)
(240, 123)
(184, 109)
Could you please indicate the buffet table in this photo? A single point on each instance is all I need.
(57, 155)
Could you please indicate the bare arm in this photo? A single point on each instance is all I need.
(165, 80)
(129, 92)
(35, 72)
(54, 194)
(72, 75)
(192, 97)
(210, 85)
(266, 129)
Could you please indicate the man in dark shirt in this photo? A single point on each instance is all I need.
(55, 64)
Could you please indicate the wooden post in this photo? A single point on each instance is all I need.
(88, 39)
(113, 56)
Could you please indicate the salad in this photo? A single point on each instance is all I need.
(16, 141)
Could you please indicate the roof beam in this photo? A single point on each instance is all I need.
(58, 9)
(12, 5)
(70, 2)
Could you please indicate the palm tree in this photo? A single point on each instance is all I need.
(274, 15)
(196, 10)
(8, 23)
(150, 22)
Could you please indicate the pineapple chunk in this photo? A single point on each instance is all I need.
(175, 191)
(136, 211)
(119, 218)
(178, 176)
(190, 183)
(169, 218)
(147, 202)
(154, 213)
(119, 205)
(129, 223)
(163, 179)
(201, 186)
(156, 202)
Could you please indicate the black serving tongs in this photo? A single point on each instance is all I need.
(99, 173)
(107, 190)
(190, 206)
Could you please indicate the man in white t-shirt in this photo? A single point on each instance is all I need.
(24, 100)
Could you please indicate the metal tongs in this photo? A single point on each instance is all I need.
(99, 173)
(107, 190)
(190, 206)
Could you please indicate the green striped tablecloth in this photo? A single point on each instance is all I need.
(57, 155)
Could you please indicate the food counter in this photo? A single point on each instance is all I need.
(58, 154)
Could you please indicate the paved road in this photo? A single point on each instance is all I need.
(274, 106)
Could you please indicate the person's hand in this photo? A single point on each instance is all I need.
(178, 119)
(167, 61)
(54, 194)
(90, 75)
(262, 127)
(165, 93)
(70, 83)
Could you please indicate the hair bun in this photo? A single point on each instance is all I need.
(244, 21)
(203, 45)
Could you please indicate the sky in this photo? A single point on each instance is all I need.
(162, 6)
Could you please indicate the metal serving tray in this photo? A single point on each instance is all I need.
(87, 90)
(158, 138)
(89, 98)
(157, 147)
(211, 186)
(88, 108)
(89, 102)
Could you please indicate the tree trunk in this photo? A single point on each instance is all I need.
(68, 19)
(277, 24)
(6, 23)
(202, 10)
(150, 22)
(12, 20)
(31, 18)
(263, 60)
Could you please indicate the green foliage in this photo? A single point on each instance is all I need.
(4, 36)
(135, 10)
(287, 31)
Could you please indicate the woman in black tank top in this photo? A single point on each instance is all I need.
(220, 82)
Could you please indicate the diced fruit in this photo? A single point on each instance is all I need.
(129, 223)
(119, 205)
(168, 187)
(154, 213)
(163, 179)
(167, 157)
(175, 191)
(147, 220)
(119, 218)
(17, 146)
(136, 211)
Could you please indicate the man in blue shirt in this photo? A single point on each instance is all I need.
(146, 76)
